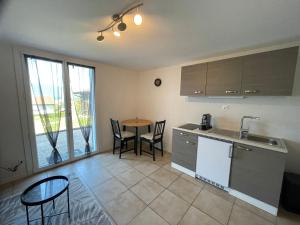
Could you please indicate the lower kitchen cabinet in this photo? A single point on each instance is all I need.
(257, 172)
(184, 149)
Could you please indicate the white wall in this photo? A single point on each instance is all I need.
(279, 115)
(115, 97)
(11, 142)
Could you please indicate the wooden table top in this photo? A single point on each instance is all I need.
(136, 123)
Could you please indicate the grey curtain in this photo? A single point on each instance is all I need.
(82, 88)
(44, 89)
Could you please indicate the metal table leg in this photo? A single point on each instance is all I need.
(68, 201)
(136, 140)
(53, 204)
(27, 215)
(42, 213)
(149, 128)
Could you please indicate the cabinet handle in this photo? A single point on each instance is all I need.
(198, 92)
(183, 134)
(188, 142)
(250, 91)
(243, 148)
(231, 92)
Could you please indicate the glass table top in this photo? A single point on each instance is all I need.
(45, 190)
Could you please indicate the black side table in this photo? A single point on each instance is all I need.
(44, 191)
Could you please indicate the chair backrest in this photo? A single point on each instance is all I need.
(159, 129)
(116, 128)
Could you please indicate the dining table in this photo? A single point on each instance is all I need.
(137, 123)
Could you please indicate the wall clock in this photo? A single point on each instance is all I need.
(157, 82)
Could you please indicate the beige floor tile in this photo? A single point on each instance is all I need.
(132, 162)
(148, 217)
(256, 211)
(287, 218)
(170, 207)
(220, 193)
(147, 190)
(118, 168)
(193, 180)
(170, 168)
(109, 190)
(124, 208)
(185, 189)
(196, 217)
(213, 205)
(147, 168)
(95, 178)
(164, 177)
(130, 177)
(21, 185)
(241, 216)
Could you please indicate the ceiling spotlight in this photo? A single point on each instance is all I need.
(138, 19)
(117, 33)
(122, 26)
(100, 38)
(116, 26)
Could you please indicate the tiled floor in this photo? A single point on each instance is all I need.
(137, 191)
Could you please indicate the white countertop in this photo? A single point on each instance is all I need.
(208, 133)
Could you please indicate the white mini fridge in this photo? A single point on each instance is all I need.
(214, 161)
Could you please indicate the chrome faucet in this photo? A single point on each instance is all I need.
(243, 131)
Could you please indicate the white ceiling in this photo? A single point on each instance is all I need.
(173, 31)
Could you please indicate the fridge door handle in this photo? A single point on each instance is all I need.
(230, 152)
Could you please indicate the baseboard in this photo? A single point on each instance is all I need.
(253, 201)
(183, 169)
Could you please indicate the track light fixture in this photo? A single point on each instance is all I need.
(117, 20)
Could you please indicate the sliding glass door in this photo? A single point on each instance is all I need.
(63, 121)
(82, 107)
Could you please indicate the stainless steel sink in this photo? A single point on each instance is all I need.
(250, 137)
(264, 140)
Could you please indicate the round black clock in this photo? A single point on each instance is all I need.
(157, 82)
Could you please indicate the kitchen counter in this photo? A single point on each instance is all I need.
(233, 136)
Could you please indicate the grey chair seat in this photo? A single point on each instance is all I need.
(126, 134)
(149, 136)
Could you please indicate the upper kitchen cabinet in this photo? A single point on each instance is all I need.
(193, 80)
(224, 77)
(269, 73)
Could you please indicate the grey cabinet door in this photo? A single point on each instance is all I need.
(224, 77)
(184, 149)
(257, 172)
(193, 80)
(270, 73)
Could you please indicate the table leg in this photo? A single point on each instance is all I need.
(68, 201)
(27, 215)
(124, 128)
(42, 214)
(53, 204)
(136, 140)
(149, 128)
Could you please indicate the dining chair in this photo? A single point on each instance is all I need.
(154, 138)
(121, 137)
